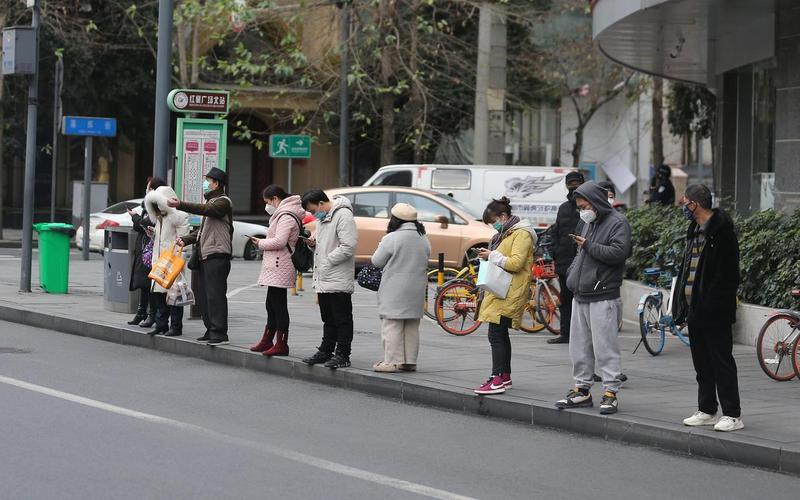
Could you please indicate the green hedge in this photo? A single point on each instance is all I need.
(769, 243)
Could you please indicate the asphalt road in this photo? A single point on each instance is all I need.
(87, 419)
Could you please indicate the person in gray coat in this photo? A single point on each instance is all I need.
(334, 246)
(595, 277)
(403, 254)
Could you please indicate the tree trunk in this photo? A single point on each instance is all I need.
(387, 81)
(183, 71)
(577, 148)
(658, 121)
(195, 53)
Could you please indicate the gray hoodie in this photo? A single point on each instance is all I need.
(596, 273)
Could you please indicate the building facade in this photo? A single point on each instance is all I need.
(745, 51)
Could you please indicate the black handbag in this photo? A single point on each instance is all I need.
(370, 277)
(194, 260)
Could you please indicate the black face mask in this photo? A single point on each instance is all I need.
(571, 193)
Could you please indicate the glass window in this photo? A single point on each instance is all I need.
(451, 178)
(469, 211)
(427, 210)
(371, 205)
(120, 208)
(400, 178)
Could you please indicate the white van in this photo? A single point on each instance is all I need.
(535, 192)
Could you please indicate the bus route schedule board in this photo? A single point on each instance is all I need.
(201, 146)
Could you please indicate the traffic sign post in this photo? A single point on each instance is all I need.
(88, 127)
(289, 147)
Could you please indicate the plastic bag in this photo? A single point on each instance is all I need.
(494, 279)
(168, 267)
(180, 294)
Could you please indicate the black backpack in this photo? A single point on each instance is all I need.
(302, 257)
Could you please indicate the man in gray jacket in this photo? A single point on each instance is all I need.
(595, 277)
(334, 271)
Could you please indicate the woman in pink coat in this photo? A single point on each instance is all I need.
(277, 271)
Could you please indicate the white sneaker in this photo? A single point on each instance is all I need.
(728, 424)
(700, 418)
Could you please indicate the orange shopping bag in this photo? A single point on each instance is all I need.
(168, 267)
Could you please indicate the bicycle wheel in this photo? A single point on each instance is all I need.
(433, 287)
(530, 318)
(650, 326)
(774, 346)
(456, 305)
(548, 303)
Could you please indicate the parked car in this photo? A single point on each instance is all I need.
(452, 227)
(117, 216)
(535, 192)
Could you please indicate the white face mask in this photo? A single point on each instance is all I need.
(611, 201)
(269, 209)
(588, 216)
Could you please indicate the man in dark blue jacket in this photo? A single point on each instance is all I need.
(563, 251)
(595, 277)
(705, 297)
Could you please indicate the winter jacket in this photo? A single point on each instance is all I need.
(276, 268)
(663, 194)
(716, 280)
(515, 255)
(169, 223)
(139, 270)
(403, 255)
(564, 248)
(596, 273)
(335, 250)
(216, 229)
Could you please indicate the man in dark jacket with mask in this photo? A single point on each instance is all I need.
(595, 278)
(705, 297)
(564, 250)
(662, 192)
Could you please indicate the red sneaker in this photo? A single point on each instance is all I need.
(506, 380)
(492, 386)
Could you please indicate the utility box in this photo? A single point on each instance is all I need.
(118, 254)
(19, 50)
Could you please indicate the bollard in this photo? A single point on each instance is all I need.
(440, 274)
(300, 282)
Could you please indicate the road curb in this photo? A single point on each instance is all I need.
(730, 447)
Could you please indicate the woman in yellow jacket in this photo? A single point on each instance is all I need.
(512, 249)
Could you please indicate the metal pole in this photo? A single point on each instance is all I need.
(289, 187)
(30, 163)
(87, 196)
(2, 169)
(344, 112)
(163, 84)
(56, 129)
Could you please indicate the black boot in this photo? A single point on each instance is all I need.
(174, 332)
(157, 331)
(141, 314)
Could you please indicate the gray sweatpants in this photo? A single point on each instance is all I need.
(593, 336)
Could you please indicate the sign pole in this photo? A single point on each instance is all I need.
(30, 163)
(163, 78)
(87, 195)
(56, 126)
(289, 187)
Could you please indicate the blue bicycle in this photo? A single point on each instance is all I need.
(655, 317)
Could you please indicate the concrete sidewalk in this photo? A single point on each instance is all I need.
(661, 390)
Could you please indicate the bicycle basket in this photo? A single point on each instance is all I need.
(544, 269)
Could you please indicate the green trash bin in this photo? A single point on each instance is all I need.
(54, 242)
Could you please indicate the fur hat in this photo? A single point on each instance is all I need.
(405, 212)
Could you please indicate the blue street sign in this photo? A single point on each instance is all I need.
(89, 126)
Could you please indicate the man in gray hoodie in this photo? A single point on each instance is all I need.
(595, 277)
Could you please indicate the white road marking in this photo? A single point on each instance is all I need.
(236, 291)
(320, 463)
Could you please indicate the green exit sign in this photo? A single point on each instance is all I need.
(289, 146)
